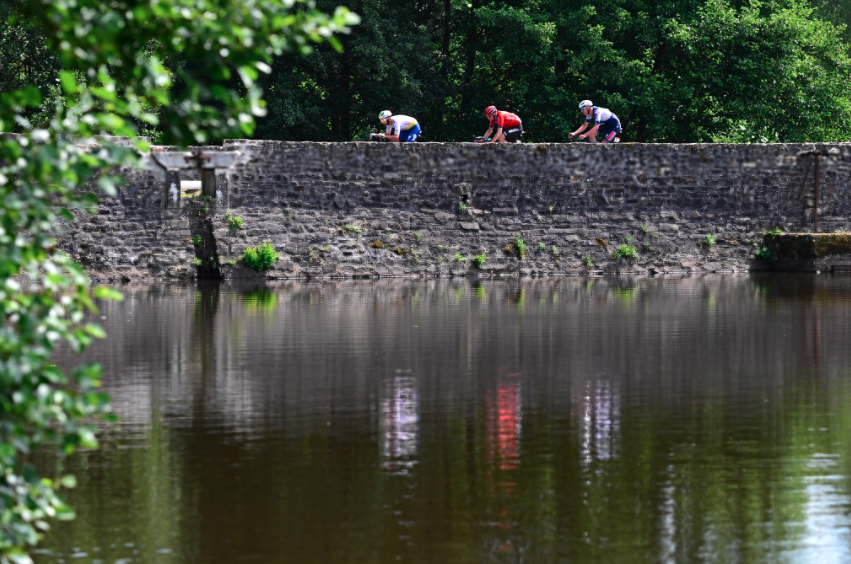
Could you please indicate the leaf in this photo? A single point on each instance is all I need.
(95, 331)
(107, 293)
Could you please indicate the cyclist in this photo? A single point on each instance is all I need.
(400, 129)
(606, 124)
(508, 126)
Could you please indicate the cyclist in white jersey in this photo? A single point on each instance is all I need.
(399, 128)
(606, 123)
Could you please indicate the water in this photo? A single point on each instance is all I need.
(559, 420)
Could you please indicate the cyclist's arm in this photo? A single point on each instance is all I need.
(488, 133)
(593, 130)
(497, 135)
(580, 130)
(392, 137)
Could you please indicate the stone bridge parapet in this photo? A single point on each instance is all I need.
(428, 209)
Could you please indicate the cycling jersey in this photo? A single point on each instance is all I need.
(601, 115)
(400, 123)
(505, 120)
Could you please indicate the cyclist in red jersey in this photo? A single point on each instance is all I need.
(506, 127)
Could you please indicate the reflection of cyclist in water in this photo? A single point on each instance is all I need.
(606, 124)
(506, 127)
(400, 129)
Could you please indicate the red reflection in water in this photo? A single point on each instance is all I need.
(502, 426)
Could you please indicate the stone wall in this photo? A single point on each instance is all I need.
(365, 209)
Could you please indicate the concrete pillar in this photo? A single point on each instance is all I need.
(171, 190)
(208, 182)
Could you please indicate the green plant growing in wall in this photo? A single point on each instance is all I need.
(646, 245)
(709, 240)
(351, 228)
(462, 207)
(542, 247)
(520, 246)
(197, 261)
(480, 259)
(197, 240)
(587, 262)
(234, 222)
(763, 253)
(629, 239)
(625, 252)
(459, 258)
(418, 235)
(644, 229)
(555, 251)
(260, 257)
(313, 256)
(205, 205)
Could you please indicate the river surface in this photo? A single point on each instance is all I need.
(569, 420)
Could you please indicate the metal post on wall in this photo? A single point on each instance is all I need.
(816, 156)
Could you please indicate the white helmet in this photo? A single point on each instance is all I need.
(584, 104)
(384, 115)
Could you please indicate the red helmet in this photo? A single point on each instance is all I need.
(490, 110)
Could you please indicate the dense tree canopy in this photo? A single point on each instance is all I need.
(673, 70)
(676, 71)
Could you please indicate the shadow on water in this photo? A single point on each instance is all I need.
(547, 420)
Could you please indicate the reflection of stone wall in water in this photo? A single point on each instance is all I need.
(360, 209)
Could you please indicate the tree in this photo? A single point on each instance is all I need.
(673, 71)
(111, 59)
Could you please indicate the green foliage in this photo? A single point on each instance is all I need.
(555, 251)
(351, 228)
(459, 258)
(682, 71)
(774, 231)
(520, 246)
(644, 229)
(74, 70)
(480, 259)
(234, 222)
(587, 262)
(197, 240)
(260, 257)
(541, 246)
(197, 261)
(763, 253)
(462, 207)
(685, 71)
(625, 252)
(709, 239)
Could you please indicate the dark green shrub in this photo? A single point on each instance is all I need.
(763, 254)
